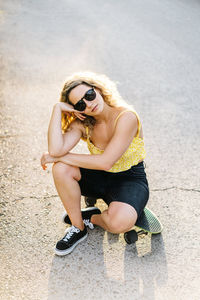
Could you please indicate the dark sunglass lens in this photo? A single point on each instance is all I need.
(80, 105)
(90, 95)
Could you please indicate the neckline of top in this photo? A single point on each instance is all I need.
(115, 122)
(90, 142)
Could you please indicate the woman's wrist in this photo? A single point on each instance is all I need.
(64, 159)
(56, 159)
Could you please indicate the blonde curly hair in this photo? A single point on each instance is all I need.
(107, 88)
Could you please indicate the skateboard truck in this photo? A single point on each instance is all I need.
(142, 232)
(132, 236)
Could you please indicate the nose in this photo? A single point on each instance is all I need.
(88, 103)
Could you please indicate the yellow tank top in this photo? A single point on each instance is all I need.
(131, 157)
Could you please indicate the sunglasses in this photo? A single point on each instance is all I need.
(90, 95)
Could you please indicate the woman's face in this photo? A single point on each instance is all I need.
(93, 107)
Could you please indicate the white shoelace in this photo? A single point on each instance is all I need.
(88, 223)
(69, 232)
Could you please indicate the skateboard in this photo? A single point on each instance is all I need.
(147, 223)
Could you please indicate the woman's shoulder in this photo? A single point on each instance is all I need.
(128, 117)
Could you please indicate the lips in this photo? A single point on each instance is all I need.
(94, 108)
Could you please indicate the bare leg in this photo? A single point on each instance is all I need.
(118, 218)
(65, 179)
(101, 220)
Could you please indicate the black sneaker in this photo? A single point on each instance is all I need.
(86, 214)
(71, 239)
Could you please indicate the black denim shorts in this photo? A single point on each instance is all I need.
(129, 186)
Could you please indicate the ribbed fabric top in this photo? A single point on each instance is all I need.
(131, 157)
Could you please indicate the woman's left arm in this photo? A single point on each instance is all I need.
(126, 129)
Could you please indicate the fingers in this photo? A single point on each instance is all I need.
(82, 118)
(77, 113)
(46, 159)
(43, 165)
(79, 116)
(42, 161)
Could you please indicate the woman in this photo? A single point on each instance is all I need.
(91, 108)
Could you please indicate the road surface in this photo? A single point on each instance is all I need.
(151, 48)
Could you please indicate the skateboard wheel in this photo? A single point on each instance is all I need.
(131, 237)
(89, 201)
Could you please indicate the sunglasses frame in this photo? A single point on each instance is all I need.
(82, 103)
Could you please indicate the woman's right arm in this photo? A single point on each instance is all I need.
(59, 143)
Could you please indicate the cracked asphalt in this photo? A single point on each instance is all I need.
(151, 48)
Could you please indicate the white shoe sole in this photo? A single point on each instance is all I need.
(69, 250)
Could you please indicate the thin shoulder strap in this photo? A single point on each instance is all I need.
(133, 111)
(87, 132)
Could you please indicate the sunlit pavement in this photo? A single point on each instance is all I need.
(151, 48)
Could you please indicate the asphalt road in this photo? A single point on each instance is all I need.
(151, 48)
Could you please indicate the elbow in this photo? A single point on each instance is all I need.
(54, 152)
(106, 163)
(107, 166)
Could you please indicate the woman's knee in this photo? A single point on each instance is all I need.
(61, 171)
(120, 221)
(119, 225)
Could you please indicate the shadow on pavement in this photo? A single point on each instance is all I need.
(78, 274)
(92, 270)
(145, 267)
